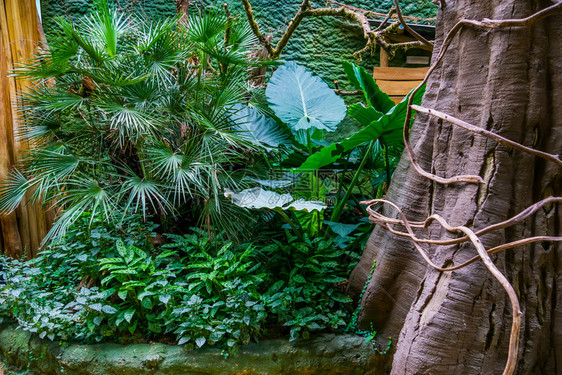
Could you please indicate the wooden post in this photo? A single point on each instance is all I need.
(384, 58)
(21, 33)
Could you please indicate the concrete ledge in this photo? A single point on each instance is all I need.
(323, 354)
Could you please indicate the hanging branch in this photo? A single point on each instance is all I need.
(344, 12)
(378, 14)
(501, 225)
(255, 28)
(388, 224)
(386, 18)
(407, 27)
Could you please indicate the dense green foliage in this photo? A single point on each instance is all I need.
(196, 205)
(128, 115)
(102, 282)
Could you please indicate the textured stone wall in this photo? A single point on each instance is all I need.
(319, 44)
(333, 354)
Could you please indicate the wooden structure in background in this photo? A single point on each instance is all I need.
(21, 232)
(397, 82)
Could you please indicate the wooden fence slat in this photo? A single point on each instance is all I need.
(399, 74)
(397, 87)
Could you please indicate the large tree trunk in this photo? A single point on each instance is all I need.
(20, 33)
(510, 82)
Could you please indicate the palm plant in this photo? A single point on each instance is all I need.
(127, 115)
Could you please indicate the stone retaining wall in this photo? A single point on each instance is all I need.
(333, 354)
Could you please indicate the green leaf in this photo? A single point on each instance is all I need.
(132, 328)
(110, 310)
(330, 264)
(276, 287)
(146, 303)
(388, 129)
(121, 249)
(128, 315)
(107, 279)
(257, 198)
(341, 298)
(302, 100)
(333, 279)
(122, 294)
(365, 82)
(299, 279)
(341, 229)
(363, 115)
(144, 294)
(257, 129)
(200, 341)
(215, 336)
(164, 298)
(314, 325)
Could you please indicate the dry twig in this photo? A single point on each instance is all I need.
(407, 27)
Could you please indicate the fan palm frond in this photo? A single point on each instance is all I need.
(52, 99)
(205, 28)
(55, 165)
(106, 26)
(92, 49)
(81, 195)
(225, 217)
(129, 115)
(129, 121)
(144, 194)
(12, 191)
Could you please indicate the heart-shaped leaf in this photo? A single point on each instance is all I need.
(302, 100)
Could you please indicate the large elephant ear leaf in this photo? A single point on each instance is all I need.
(365, 82)
(257, 128)
(302, 100)
(258, 198)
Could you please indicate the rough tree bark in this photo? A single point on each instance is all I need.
(510, 82)
(21, 232)
(182, 6)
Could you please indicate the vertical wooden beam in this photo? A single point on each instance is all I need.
(11, 239)
(383, 58)
(182, 6)
(21, 33)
